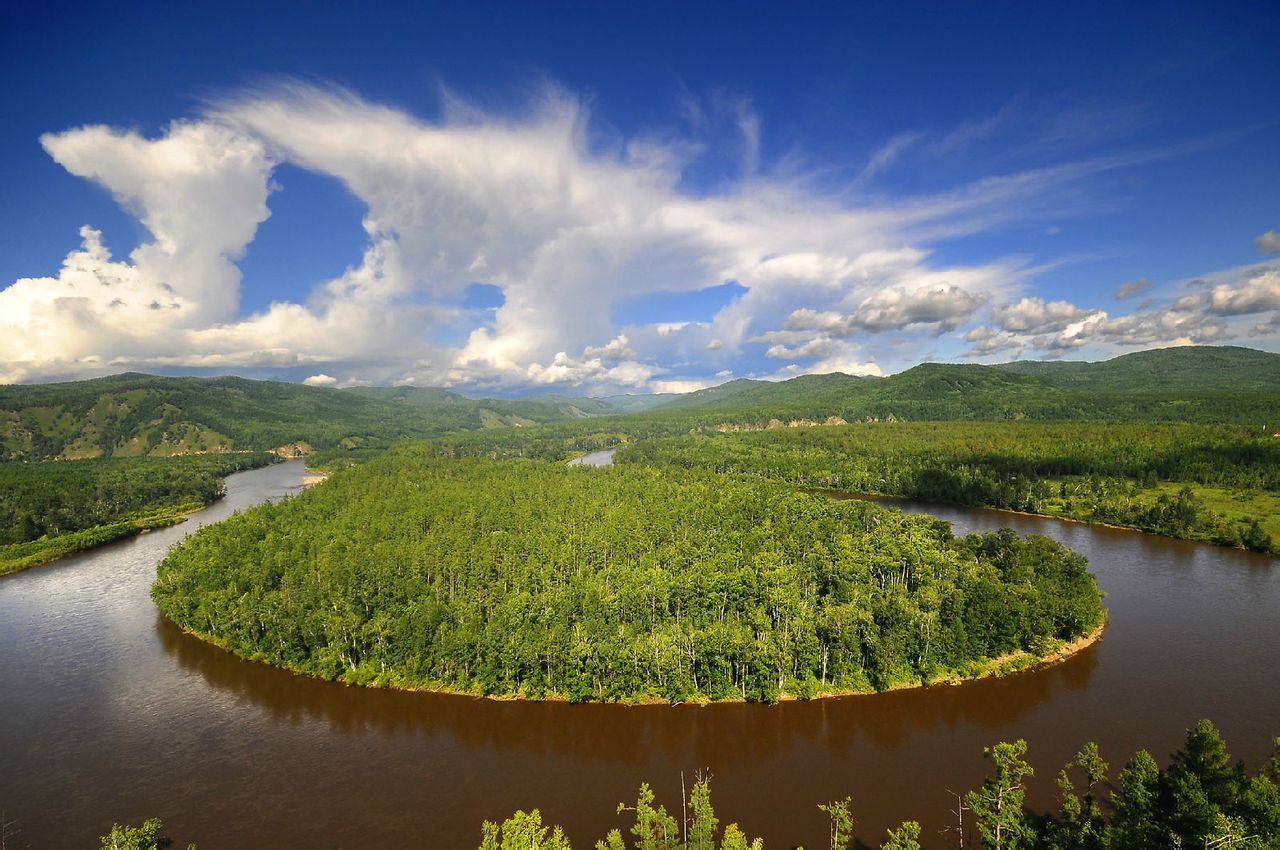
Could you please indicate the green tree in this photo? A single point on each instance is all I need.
(654, 829)
(523, 831)
(148, 836)
(1136, 820)
(998, 804)
(905, 837)
(735, 839)
(841, 826)
(702, 830)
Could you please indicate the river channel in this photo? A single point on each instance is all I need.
(108, 712)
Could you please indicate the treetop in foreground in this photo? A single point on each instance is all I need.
(1201, 800)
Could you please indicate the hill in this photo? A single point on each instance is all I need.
(1188, 369)
(1220, 384)
(802, 392)
(143, 415)
(135, 415)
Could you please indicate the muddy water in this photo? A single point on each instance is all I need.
(109, 713)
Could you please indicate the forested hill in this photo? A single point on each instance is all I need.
(832, 389)
(1191, 369)
(132, 414)
(1220, 384)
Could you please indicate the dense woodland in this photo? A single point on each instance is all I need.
(51, 509)
(133, 414)
(1112, 473)
(1216, 483)
(524, 577)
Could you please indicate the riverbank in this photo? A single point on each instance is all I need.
(79, 489)
(871, 495)
(1004, 665)
(36, 553)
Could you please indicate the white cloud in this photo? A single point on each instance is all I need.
(615, 349)
(201, 191)
(1268, 243)
(1261, 292)
(986, 341)
(1212, 309)
(1036, 316)
(565, 230)
(321, 380)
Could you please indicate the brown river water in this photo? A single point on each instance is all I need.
(108, 712)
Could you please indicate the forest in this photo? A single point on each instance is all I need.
(632, 583)
(133, 414)
(1152, 477)
(1200, 799)
(48, 510)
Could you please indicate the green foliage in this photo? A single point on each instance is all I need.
(149, 836)
(905, 837)
(524, 577)
(133, 414)
(523, 831)
(998, 804)
(840, 830)
(654, 829)
(1094, 472)
(1185, 369)
(50, 509)
(1192, 384)
(1198, 802)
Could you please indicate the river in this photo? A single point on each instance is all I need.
(108, 712)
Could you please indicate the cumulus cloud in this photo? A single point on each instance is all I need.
(907, 298)
(563, 227)
(1036, 316)
(201, 191)
(321, 380)
(1261, 292)
(985, 340)
(1217, 308)
(1268, 243)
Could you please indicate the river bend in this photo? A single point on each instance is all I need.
(108, 712)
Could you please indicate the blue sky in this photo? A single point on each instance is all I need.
(592, 198)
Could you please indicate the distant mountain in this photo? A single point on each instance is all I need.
(497, 413)
(1193, 368)
(133, 414)
(803, 392)
(1196, 384)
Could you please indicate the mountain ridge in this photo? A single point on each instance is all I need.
(134, 414)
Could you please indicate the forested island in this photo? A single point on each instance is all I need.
(533, 579)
